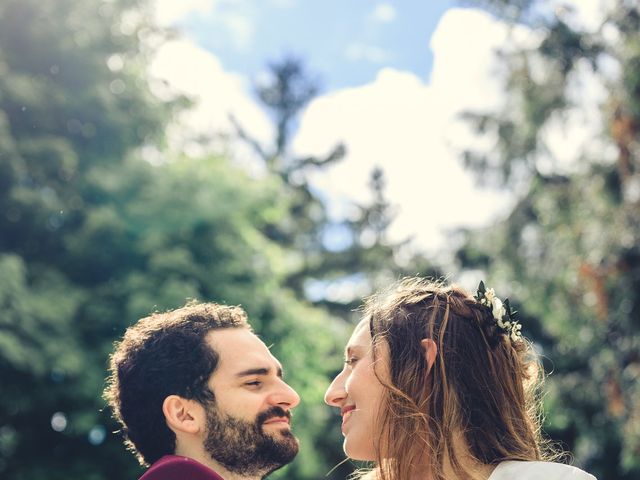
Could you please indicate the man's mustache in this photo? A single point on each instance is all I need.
(273, 412)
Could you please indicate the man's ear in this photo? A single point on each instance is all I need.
(183, 415)
(430, 352)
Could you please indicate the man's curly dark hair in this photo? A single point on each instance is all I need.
(164, 354)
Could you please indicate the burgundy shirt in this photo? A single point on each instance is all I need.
(174, 467)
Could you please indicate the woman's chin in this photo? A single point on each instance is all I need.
(358, 452)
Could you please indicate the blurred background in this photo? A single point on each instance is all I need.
(292, 156)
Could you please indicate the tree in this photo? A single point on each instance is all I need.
(333, 275)
(93, 237)
(569, 253)
(365, 257)
(64, 116)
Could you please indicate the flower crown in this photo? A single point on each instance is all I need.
(502, 313)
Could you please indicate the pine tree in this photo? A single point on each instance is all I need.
(569, 253)
(366, 258)
(93, 237)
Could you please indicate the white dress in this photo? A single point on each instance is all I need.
(537, 471)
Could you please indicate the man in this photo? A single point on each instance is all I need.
(200, 397)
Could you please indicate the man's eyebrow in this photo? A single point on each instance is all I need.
(258, 371)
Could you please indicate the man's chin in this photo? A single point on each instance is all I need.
(283, 449)
(250, 449)
(284, 437)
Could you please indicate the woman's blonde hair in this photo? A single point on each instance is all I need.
(479, 402)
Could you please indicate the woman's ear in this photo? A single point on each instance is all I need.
(182, 415)
(430, 352)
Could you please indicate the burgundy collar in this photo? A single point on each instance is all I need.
(174, 467)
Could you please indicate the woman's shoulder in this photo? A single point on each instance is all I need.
(538, 470)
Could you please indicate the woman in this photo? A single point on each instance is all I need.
(438, 384)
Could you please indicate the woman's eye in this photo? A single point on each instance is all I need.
(350, 361)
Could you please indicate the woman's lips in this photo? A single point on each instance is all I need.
(346, 413)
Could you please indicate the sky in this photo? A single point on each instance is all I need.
(395, 77)
(345, 42)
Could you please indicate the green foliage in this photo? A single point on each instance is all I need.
(58, 121)
(514, 10)
(93, 237)
(365, 259)
(569, 253)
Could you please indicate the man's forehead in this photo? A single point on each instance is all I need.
(239, 348)
(222, 337)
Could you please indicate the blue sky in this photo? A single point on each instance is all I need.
(396, 76)
(345, 42)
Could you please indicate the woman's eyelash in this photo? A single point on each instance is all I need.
(350, 361)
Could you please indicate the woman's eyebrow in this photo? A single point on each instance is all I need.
(351, 349)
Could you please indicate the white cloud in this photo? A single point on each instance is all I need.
(188, 69)
(566, 137)
(168, 12)
(384, 13)
(464, 45)
(577, 132)
(236, 17)
(241, 27)
(368, 53)
(586, 15)
(405, 125)
(412, 129)
(283, 3)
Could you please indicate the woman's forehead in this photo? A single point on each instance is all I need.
(361, 337)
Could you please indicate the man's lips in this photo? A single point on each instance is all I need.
(277, 421)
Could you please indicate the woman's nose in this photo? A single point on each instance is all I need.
(336, 393)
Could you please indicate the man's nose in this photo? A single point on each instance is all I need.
(286, 397)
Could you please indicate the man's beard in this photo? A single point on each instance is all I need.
(243, 447)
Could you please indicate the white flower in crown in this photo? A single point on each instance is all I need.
(516, 335)
(490, 294)
(497, 308)
(500, 311)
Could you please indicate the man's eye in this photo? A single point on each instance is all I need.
(255, 383)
